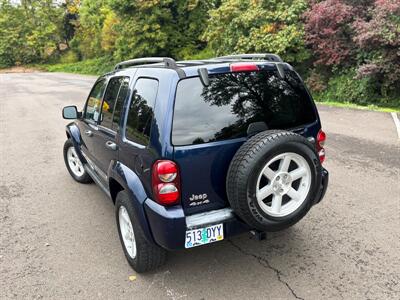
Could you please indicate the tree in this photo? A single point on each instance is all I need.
(10, 37)
(35, 38)
(378, 39)
(258, 26)
(109, 32)
(87, 40)
(329, 32)
(159, 27)
(349, 36)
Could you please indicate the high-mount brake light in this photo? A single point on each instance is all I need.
(166, 182)
(243, 67)
(321, 138)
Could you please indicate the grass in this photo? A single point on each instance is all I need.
(96, 66)
(362, 107)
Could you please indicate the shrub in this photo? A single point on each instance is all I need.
(96, 66)
(69, 57)
(346, 87)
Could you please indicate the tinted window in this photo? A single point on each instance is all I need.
(123, 92)
(109, 101)
(113, 99)
(93, 105)
(140, 112)
(233, 101)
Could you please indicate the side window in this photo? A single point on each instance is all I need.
(93, 105)
(110, 101)
(140, 113)
(123, 92)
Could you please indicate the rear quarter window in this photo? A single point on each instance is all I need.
(225, 109)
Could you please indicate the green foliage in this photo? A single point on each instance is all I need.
(258, 26)
(347, 88)
(355, 34)
(29, 31)
(69, 57)
(10, 28)
(159, 27)
(87, 40)
(109, 32)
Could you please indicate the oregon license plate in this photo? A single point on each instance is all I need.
(205, 235)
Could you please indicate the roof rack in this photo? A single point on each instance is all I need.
(168, 62)
(255, 56)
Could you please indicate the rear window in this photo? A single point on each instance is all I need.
(225, 109)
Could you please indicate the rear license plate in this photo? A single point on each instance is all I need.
(205, 235)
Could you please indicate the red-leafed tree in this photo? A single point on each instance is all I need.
(349, 37)
(378, 39)
(329, 32)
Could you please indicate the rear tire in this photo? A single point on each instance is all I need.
(141, 254)
(74, 164)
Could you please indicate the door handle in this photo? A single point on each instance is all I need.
(88, 132)
(111, 145)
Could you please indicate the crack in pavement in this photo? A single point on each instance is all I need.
(268, 265)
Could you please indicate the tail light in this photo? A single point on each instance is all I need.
(321, 138)
(166, 182)
(243, 67)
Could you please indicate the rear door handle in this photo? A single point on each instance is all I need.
(88, 132)
(111, 145)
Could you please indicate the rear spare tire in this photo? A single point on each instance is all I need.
(273, 180)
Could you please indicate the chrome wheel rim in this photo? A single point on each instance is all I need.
(74, 162)
(283, 184)
(127, 234)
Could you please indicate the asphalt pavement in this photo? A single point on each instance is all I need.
(58, 238)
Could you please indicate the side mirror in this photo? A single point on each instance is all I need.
(70, 112)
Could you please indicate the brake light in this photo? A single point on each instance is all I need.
(321, 138)
(243, 67)
(166, 182)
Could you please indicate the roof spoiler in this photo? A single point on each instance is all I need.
(255, 56)
(203, 73)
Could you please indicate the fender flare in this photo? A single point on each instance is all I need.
(132, 184)
(73, 133)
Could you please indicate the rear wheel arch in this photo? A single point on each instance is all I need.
(121, 179)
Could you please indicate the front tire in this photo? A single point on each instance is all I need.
(74, 164)
(141, 254)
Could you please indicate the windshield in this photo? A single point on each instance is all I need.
(233, 101)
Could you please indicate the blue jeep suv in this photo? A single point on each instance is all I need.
(194, 152)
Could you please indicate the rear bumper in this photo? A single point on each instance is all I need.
(323, 187)
(168, 225)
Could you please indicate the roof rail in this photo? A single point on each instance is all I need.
(168, 62)
(255, 56)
